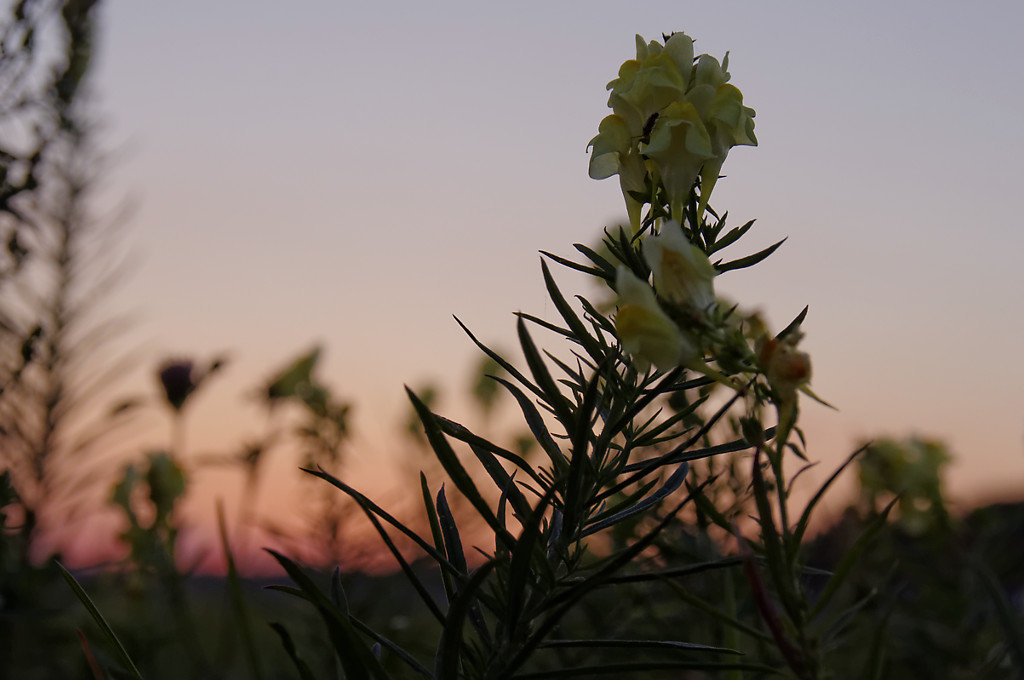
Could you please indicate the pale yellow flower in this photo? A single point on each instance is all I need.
(682, 272)
(615, 152)
(679, 146)
(656, 78)
(647, 334)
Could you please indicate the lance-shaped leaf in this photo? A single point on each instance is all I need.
(503, 480)
(667, 645)
(626, 669)
(604, 265)
(749, 260)
(535, 422)
(509, 368)
(435, 531)
(239, 606)
(372, 511)
(456, 555)
(521, 565)
(579, 330)
(674, 481)
(463, 434)
(563, 602)
(593, 271)
(550, 393)
(305, 673)
(463, 482)
(731, 236)
(356, 658)
(449, 650)
(805, 517)
(850, 558)
(576, 496)
(119, 651)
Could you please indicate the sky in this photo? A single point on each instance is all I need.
(355, 174)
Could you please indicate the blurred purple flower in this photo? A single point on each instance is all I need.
(178, 382)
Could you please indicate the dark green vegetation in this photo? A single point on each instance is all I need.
(938, 604)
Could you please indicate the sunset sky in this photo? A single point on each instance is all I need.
(353, 174)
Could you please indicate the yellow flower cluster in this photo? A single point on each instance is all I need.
(675, 119)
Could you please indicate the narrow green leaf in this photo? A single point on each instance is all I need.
(289, 647)
(551, 394)
(850, 558)
(669, 645)
(338, 596)
(449, 651)
(119, 651)
(243, 618)
(805, 516)
(579, 330)
(749, 260)
(674, 481)
(678, 572)
(597, 317)
(403, 564)
(730, 237)
(715, 612)
(371, 508)
(463, 434)
(392, 647)
(600, 262)
(620, 669)
(509, 368)
(593, 271)
(535, 422)
(503, 480)
(450, 533)
(547, 325)
(435, 532)
(695, 454)
(463, 482)
(794, 324)
(456, 555)
(356, 659)
(520, 566)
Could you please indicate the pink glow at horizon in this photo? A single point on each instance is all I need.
(354, 176)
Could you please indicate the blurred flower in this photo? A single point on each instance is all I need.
(785, 367)
(176, 377)
(647, 334)
(179, 379)
(682, 272)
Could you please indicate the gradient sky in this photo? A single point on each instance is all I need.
(354, 174)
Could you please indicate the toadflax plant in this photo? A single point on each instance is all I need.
(619, 426)
(584, 572)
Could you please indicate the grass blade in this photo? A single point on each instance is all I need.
(119, 651)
